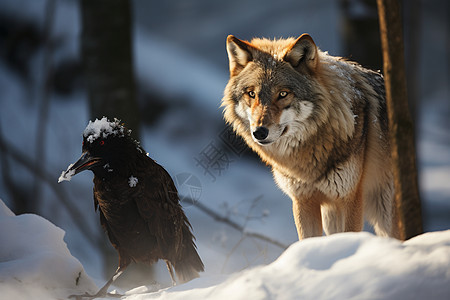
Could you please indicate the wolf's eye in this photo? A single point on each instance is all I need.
(282, 94)
(251, 94)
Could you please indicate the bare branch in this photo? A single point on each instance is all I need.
(231, 252)
(76, 215)
(216, 216)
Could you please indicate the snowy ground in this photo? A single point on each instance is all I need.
(36, 264)
(343, 266)
(186, 61)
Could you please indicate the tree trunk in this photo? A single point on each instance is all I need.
(360, 32)
(106, 46)
(400, 123)
(412, 23)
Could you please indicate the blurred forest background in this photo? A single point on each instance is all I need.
(161, 67)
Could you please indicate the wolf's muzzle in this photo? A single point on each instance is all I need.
(261, 133)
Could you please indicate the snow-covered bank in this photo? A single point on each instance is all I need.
(34, 260)
(342, 266)
(36, 264)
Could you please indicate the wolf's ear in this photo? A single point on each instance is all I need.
(239, 54)
(302, 55)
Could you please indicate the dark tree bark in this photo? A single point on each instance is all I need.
(106, 46)
(360, 33)
(412, 22)
(44, 106)
(400, 123)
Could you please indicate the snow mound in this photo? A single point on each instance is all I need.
(34, 260)
(341, 266)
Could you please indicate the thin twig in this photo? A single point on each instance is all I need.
(231, 252)
(216, 216)
(248, 217)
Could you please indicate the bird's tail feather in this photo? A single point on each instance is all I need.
(190, 263)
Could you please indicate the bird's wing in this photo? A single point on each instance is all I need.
(158, 204)
(104, 223)
(95, 201)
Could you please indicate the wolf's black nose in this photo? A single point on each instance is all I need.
(261, 133)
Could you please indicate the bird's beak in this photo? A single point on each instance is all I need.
(85, 162)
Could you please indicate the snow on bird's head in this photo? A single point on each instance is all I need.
(103, 128)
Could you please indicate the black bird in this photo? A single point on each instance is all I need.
(137, 201)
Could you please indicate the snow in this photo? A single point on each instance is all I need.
(342, 266)
(108, 167)
(35, 263)
(67, 174)
(132, 181)
(102, 128)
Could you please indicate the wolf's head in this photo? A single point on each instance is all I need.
(272, 87)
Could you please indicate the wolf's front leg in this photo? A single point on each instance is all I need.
(307, 217)
(343, 214)
(333, 218)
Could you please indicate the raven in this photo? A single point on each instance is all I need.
(137, 201)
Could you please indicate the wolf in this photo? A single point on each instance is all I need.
(320, 122)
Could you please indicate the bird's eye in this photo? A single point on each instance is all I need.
(251, 94)
(282, 94)
(102, 142)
